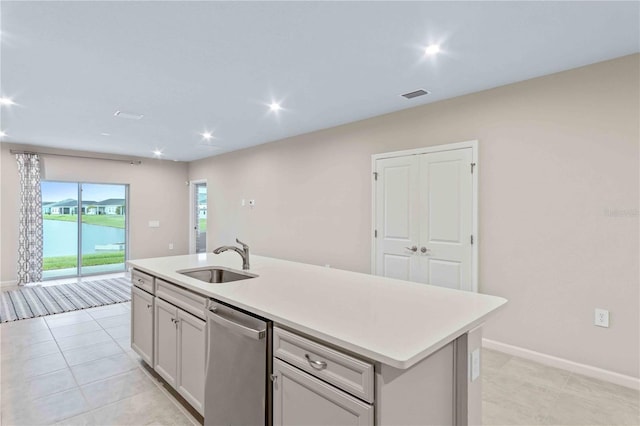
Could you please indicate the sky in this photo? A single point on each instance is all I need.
(58, 191)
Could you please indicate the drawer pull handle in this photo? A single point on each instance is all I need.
(148, 306)
(318, 365)
(140, 280)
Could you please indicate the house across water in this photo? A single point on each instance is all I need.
(111, 206)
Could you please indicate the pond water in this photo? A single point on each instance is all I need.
(61, 238)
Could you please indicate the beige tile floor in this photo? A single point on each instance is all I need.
(520, 392)
(77, 368)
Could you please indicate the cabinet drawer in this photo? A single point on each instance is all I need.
(182, 298)
(344, 371)
(144, 281)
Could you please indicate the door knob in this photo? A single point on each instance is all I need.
(412, 248)
(425, 250)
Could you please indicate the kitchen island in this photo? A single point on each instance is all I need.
(421, 341)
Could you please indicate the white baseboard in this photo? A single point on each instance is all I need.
(12, 283)
(565, 364)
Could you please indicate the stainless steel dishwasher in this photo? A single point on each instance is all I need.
(237, 387)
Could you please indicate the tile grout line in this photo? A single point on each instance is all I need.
(113, 340)
(561, 391)
(49, 329)
(166, 393)
(75, 380)
(65, 358)
(68, 367)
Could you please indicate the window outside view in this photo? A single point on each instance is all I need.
(201, 216)
(101, 243)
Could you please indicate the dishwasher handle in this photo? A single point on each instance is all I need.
(239, 328)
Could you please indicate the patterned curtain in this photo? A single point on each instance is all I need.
(30, 227)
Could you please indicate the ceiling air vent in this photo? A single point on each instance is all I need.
(415, 94)
(128, 115)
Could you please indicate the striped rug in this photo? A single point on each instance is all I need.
(30, 302)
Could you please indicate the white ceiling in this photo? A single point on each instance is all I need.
(196, 66)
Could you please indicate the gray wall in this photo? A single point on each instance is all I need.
(558, 154)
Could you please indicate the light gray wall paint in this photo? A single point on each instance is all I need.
(558, 213)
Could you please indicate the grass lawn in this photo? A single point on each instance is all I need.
(112, 220)
(202, 224)
(93, 259)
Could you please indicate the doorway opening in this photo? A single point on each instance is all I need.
(198, 221)
(85, 228)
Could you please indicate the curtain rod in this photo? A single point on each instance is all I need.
(132, 162)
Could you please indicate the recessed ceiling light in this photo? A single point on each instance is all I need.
(275, 106)
(128, 115)
(432, 49)
(157, 152)
(207, 136)
(6, 101)
(105, 134)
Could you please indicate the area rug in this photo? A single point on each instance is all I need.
(37, 301)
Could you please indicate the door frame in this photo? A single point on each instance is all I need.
(192, 213)
(473, 144)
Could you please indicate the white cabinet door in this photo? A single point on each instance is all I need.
(166, 352)
(142, 324)
(191, 359)
(300, 399)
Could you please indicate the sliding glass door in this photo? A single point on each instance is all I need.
(85, 228)
(103, 231)
(60, 229)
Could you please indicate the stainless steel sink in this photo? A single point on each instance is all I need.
(216, 275)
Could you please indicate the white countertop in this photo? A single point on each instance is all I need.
(395, 322)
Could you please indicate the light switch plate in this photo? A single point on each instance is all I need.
(154, 224)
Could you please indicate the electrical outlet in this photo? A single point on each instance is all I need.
(170, 246)
(601, 318)
(252, 203)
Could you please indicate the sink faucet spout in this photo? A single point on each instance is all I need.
(243, 252)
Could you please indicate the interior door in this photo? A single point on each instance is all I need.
(397, 215)
(446, 218)
(424, 218)
(199, 217)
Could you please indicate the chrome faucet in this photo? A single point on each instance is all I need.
(244, 253)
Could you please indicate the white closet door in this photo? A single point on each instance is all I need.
(446, 202)
(397, 204)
